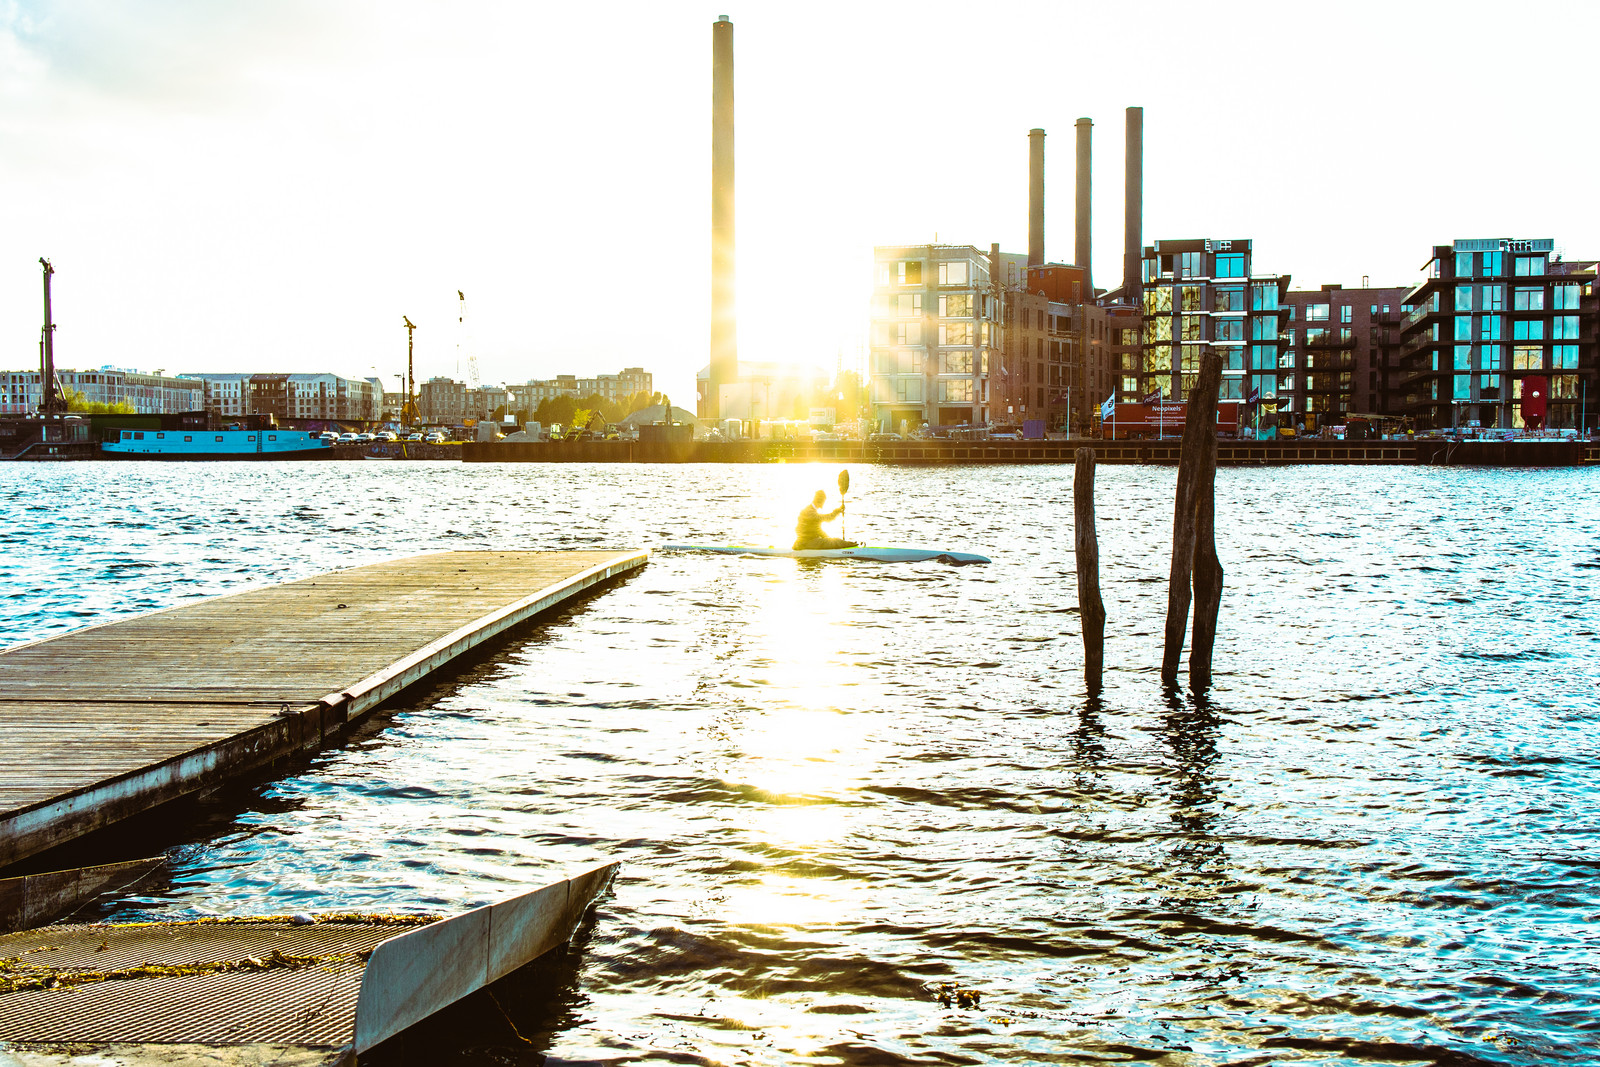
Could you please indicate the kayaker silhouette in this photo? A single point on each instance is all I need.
(808, 530)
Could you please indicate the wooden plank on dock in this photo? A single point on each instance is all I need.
(102, 723)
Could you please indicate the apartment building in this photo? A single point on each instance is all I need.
(1201, 295)
(326, 397)
(147, 394)
(613, 387)
(934, 317)
(1340, 352)
(1491, 314)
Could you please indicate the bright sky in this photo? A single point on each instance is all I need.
(272, 185)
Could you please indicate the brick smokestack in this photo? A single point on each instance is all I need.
(724, 316)
(1133, 210)
(1035, 198)
(1083, 248)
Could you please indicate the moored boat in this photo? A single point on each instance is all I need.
(215, 444)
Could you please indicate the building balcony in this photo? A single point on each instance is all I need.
(1340, 359)
(1429, 306)
(1334, 337)
(1420, 340)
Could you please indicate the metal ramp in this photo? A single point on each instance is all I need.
(342, 983)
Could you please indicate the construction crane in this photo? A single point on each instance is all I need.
(52, 404)
(408, 410)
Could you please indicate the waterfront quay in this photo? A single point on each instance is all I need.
(103, 723)
(1230, 453)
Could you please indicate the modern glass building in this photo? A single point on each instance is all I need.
(1205, 294)
(1490, 314)
(935, 321)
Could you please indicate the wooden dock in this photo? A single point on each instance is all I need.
(109, 721)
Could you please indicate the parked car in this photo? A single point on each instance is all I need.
(879, 437)
(329, 436)
(347, 439)
(435, 438)
(388, 435)
(413, 436)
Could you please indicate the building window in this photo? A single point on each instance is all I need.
(1527, 357)
(1530, 266)
(1493, 265)
(956, 305)
(1230, 266)
(1489, 357)
(1462, 387)
(1263, 328)
(1527, 299)
(958, 362)
(1463, 298)
(1316, 312)
(1564, 357)
(1191, 264)
(1463, 264)
(908, 390)
(1491, 327)
(1193, 327)
(1463, 357)
(909, 305)
(953, 272)
(955, 392)
(1463, 327)
(1564, 327)
(1345, 312)
(1494, 298)
(1264, 297)
(955, 333)
(908, 333)
(1229, 298)
(1263, 357)
(1190, 297)
(1527, 330)
(1566, 296)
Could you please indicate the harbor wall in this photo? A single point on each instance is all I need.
(933, 453)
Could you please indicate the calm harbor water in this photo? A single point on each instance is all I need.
(842, 791)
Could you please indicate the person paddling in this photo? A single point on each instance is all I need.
(808, 530)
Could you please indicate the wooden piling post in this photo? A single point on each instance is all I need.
(1196, 469)
(1086, 548)
(1207, 567)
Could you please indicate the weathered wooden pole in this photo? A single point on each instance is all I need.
(1207, 568)
(1086, 547)
(1199, 449)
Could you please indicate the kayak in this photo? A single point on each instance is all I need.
(880, 553)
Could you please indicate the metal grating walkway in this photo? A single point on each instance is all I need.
(274, 996)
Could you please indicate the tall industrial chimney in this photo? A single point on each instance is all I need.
(1133, 200)
(1035, 198)
(1082, 247)
(724, 316)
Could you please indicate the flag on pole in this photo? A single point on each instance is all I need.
(1109, 407)
(1155, 397)
(1255, 397)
